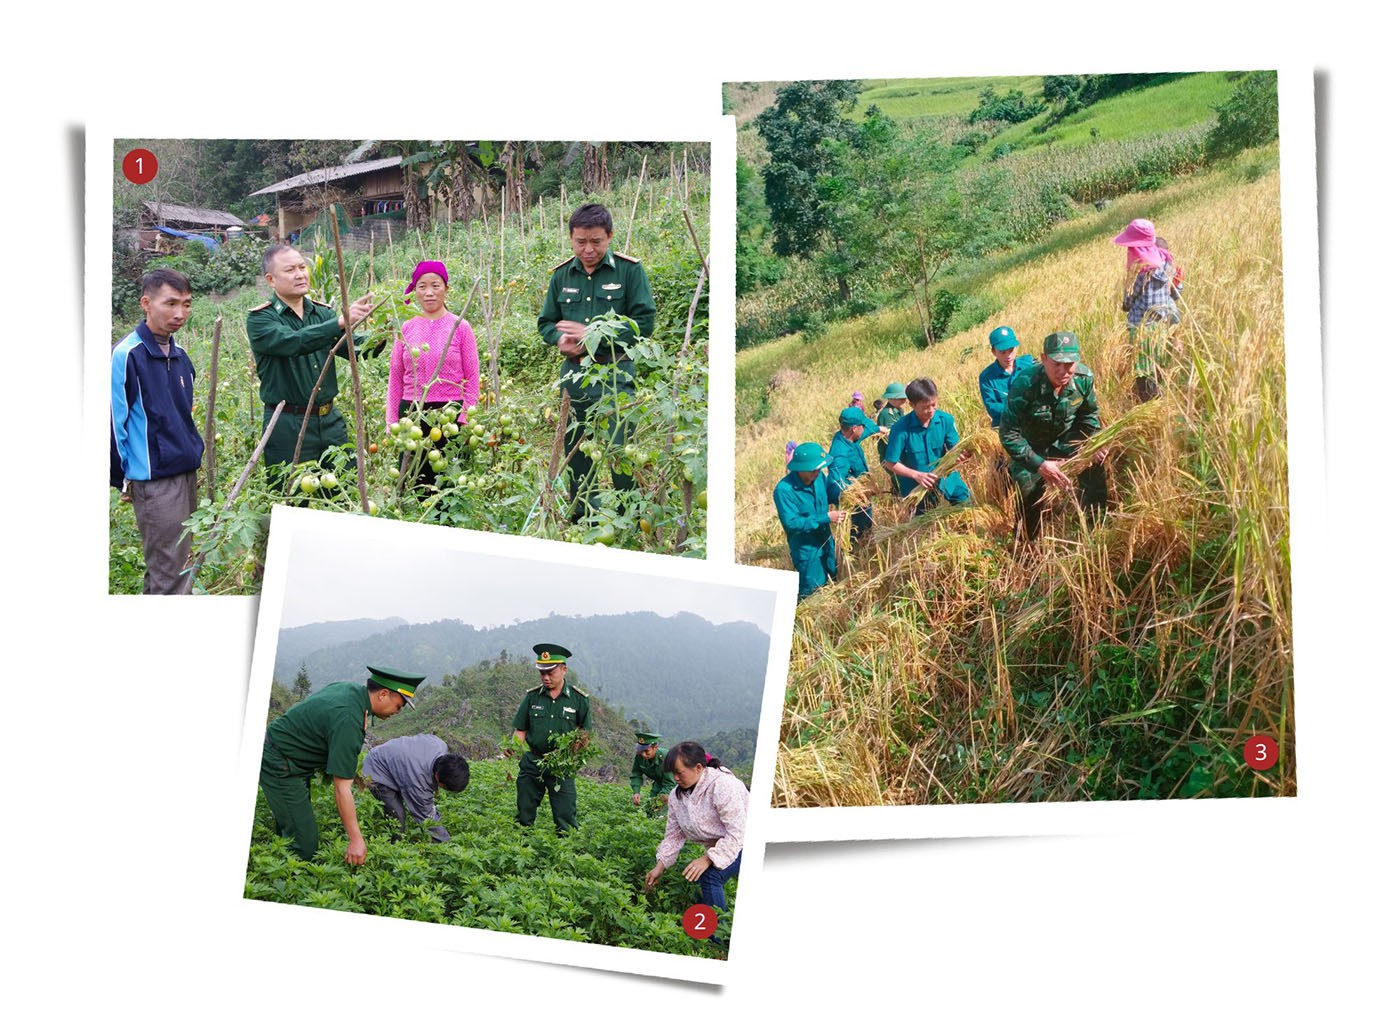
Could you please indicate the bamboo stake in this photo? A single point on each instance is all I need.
(564, 237)
(354, 374)
(635, 198)
(211, 459)
(242, 478)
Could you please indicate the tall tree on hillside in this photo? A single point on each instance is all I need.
(907, 213)
(798, 130)
(301, 687)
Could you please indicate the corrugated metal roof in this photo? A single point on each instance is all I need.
(184, 213)
(327, 174)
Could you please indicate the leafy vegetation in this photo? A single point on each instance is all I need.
(587, 886)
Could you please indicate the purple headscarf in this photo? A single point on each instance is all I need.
(425, 268)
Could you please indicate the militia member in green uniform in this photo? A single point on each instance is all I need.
(586, 286)
(894, 399)
(290, 336)
(647, 766)
(1050, 409)
(325, 731)
(555, 707)
(807, 505)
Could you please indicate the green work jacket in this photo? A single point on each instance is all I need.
(541, 716)
(1037, 424)
(847, 459)
(619, 283)
(325, 730)
(650, 769)
(290, 351)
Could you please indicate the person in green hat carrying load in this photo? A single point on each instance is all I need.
(586, 286)
(1051, 409)
(917, 442)
(647, 766)
(325, 731)
(556, 707)
(807, 506)
(895, 400)
(847, 460)
(291, 335)
(993, 383)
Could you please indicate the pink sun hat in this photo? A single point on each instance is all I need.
(1141, 240)
(432, 268)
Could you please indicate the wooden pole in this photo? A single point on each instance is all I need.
(210, 458)
(627, 244)
(354, 371)
(316, 388)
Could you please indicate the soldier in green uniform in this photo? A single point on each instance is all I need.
(1050, 409)
(646, 765)
(555, 707)
(290, 336)
(846, 459)
(588, 285)
(895, 400)
(807, 505)
(325, 731)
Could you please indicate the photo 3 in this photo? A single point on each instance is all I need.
(501, 335)
(1011, 402)
(515, 746)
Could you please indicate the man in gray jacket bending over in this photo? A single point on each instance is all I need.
(406, 773)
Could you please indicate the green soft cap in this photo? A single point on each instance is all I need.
(807, 457)
(894, 390)
(397, 680)
(853, 416)
(1062, 347)
(1003, 338)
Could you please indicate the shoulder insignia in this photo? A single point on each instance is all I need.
(261, 306)
(1083, 371)
(627, 257)
(561, 264)
(319, 303)
(580, 691)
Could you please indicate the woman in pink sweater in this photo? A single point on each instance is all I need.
(709, 805)
(434, 363)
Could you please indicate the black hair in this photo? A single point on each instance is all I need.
(690, 754)
(153, 280)
(921, 389)
(452, 772)
(591, 216)
(270, 255)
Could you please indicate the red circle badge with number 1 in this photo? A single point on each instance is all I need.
(139, 165)
(1261, 752)
(699, 921)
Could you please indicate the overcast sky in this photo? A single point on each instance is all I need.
(417, 578)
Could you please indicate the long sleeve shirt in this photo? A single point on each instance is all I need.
(153, 429)
(993, 384)
(458, 378)
(712, 812)
(1038, 424)
(406, 765)
(290, 351)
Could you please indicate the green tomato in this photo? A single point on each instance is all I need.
(394, 472)
(450, 429)
(702, 501)
(416, 432)
(309, 484)
(606, 535)
(472, 410)
(435, 434)
(434, 455)
(373, 508)
(329, 481)
(478, 430)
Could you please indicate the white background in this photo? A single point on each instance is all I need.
(123, 723)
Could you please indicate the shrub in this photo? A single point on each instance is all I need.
(1248, 118)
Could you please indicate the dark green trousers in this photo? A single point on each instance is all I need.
(288, 795)
(322, 432)
(532, 785)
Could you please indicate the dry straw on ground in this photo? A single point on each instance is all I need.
(949, 664)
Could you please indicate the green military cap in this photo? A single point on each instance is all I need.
(397, 680)
(548, 655)
(807, 457)
(894, 390)
(1062, 347)
(1003, 338)
(852, 415)
(645, 740)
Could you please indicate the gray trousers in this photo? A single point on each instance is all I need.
(162, 506)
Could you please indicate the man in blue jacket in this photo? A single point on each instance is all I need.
(156, 448)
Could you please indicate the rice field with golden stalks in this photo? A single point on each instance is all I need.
(1132, 660)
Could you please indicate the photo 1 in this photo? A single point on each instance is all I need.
(507, 336)
(537, 750)
(1010, 401)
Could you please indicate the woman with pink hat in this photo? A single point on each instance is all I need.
(434, 363)
(1151, 288)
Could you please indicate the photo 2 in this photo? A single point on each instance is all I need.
(529, 749)
(501, 335)
(1011, 402)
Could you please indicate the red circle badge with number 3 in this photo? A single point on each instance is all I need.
(1261, 752)
(699, 921)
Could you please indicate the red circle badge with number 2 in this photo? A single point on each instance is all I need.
(699, 921)
(1261, 752)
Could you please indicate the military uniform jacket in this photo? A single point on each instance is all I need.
(920, 447)
(1039, 425)
(618, 283)
(325, 730)
(540, 716)
(803, 510)
(847, 460)
(290, 351)
(650, 769)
